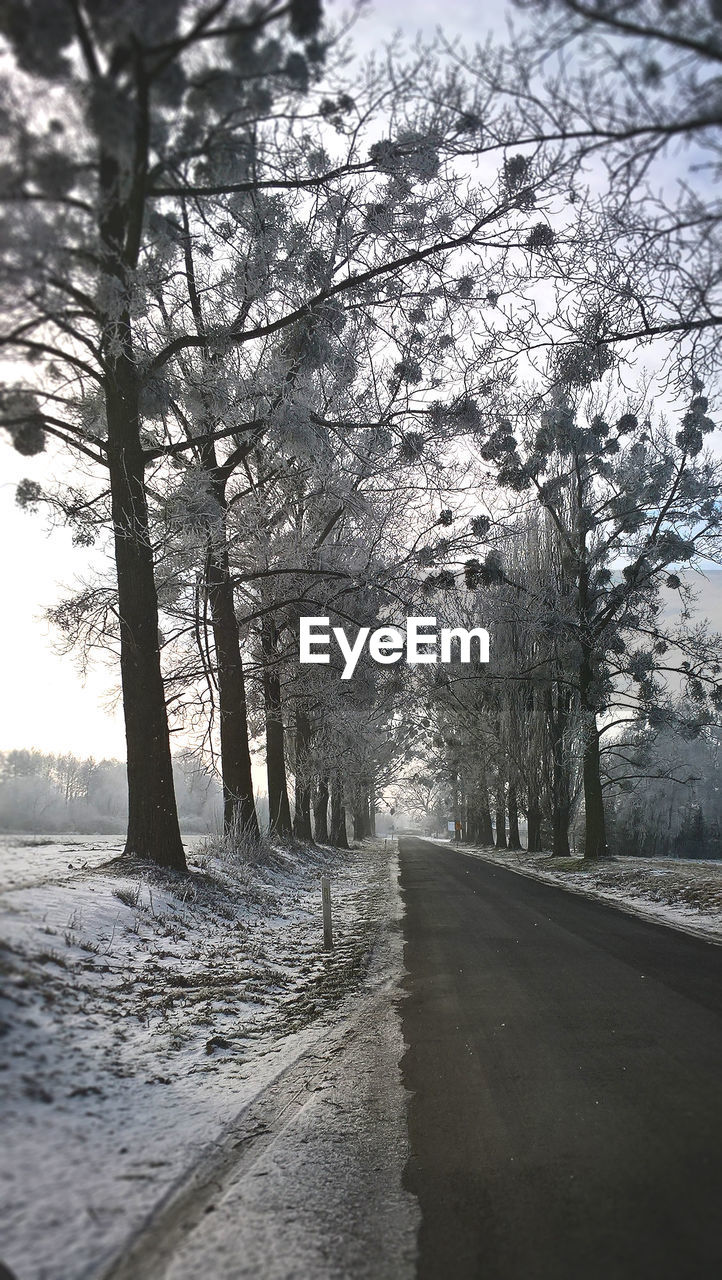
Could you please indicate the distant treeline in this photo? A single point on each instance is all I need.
(44, 792)
(677, 813)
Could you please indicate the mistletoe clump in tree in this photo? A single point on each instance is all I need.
(631, 90)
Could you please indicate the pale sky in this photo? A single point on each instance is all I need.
(43, 702)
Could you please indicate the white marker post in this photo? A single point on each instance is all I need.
(326, 901)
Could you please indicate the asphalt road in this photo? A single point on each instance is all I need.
(564, 1061)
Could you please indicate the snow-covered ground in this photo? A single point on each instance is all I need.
(683, 893)
(27, 860)
(143, 1012)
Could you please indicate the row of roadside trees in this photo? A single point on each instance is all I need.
(300, 328)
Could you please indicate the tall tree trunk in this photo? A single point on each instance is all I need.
(359, 818)
(320, 810)
(533, 842)
(595, 837)
(372, 803)
(514, 838)
(486, 830)
(560, 831)
(360, 815)
(279, 809)
(337, 834)
(153, 830)
(557, 718)
(302, 807)
(463, 808)
(456, 804)
(238, 803)
(500, 816)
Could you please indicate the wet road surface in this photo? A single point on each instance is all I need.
(565, 1067)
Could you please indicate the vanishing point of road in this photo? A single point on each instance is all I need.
(564, 1063)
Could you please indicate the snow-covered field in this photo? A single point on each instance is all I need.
(142, 1012)
(684, 893)
(29, 860)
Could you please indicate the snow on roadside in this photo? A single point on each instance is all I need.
(141, 1012)
(683, 893)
